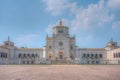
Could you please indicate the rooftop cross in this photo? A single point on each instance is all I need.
(8, 38)
(60, 23)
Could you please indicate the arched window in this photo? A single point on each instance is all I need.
(92, 55)
(19, 56)
(88, 55)
(60, 31)
(28, 55)
(5, 55)
(83, 56)
(96, 55)
(100, 55)
(24, 55)
(33, 55)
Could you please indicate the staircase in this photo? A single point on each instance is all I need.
(61, 62)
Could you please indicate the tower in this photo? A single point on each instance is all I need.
(8, 43)
(111, 45)
(60, 29)
(60, 46)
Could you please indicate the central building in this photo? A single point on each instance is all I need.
(60, 46)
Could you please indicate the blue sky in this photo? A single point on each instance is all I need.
(27, 22)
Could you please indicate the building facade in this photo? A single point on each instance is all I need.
(60, 48)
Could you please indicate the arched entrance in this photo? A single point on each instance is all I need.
(60, 55)
(49, 56)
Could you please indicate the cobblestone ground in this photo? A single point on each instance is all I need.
(59, 72)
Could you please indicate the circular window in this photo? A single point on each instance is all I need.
(60, 43)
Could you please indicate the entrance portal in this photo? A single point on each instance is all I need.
(60, 55)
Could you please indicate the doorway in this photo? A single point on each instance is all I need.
(60, 55)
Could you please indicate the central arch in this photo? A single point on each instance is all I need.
(49, 56)
(60, 55)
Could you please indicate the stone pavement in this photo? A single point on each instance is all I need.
(59, 72)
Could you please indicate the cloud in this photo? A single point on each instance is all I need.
(56, 7)
(93, 19)
(95, 15)
(89, 18)
(26, 40)
(114, 4)
(49, 28)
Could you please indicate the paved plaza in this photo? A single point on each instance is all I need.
(59, 72)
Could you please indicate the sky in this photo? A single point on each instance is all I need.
(27, 22)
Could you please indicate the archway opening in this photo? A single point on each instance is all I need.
(60, 55)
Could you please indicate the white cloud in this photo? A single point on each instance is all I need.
(56, 7)
(49, 28)
(96, 15)
(92, 17)
(86, 20)
(114, 4)
(26, 40)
